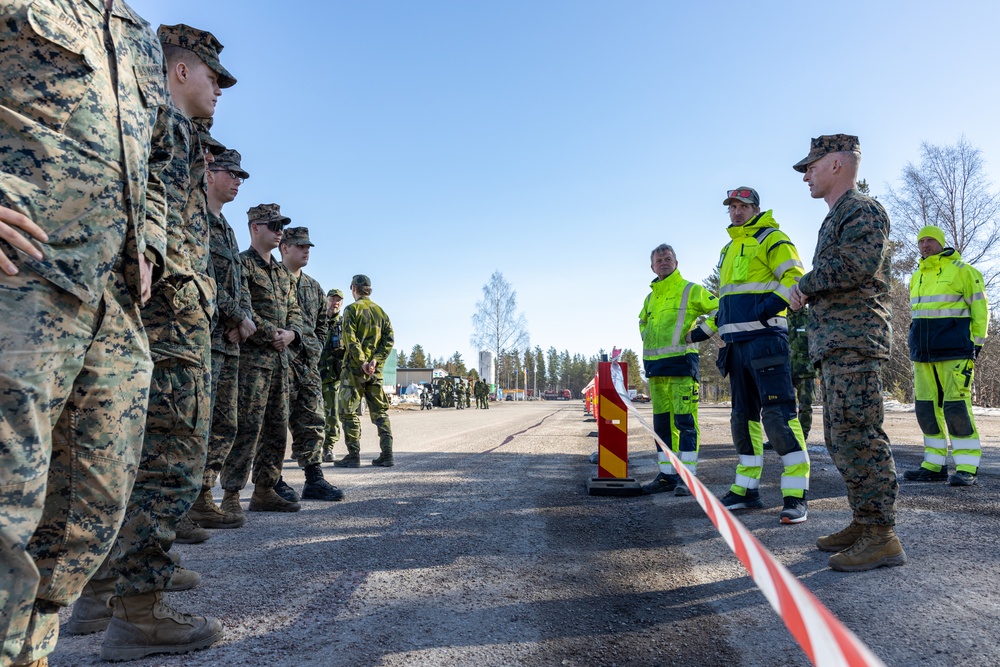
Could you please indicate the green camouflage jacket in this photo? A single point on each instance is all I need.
(312, 308)
(232, 296)
(273, 305)
(367, 335)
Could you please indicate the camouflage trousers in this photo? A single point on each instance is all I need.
(805, 396)
(305, 416)
(331, 406)
(263, 427)
(352, 390)
(169, 476)
(852, 427)
(225, 392)
(74, 381)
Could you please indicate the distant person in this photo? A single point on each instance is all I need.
(331, 365)
(306, 416)
(757, 270)
(849, 335)
(950, 320)
(368, 340)
(668, 313)
(803, 370)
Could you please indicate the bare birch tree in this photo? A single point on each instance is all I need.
(496, 324)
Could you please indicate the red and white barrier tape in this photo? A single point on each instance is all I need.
(826, 641)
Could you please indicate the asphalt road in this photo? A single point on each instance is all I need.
(481, 547)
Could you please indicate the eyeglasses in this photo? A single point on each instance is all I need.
(748, 194)
(232, 174)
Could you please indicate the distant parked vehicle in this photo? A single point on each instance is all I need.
(551, 395)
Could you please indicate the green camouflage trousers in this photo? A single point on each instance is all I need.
(331, 406)
(169, 476)
(305, 416)
(74, 382)
(262, 430)
(225, 385)
(352, 390)
(852, 427)
(805, 394)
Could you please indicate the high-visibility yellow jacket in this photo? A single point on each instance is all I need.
(757, 271)
(668, 313)
(949, 309)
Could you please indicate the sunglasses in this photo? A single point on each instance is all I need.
(275, 225)
(748, 194)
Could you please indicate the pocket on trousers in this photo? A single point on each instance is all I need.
(860, 400)
(774, 379)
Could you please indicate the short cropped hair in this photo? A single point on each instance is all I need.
(663, 247)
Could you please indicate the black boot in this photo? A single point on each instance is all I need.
(317, 488)
(285, 491)
(349, 461)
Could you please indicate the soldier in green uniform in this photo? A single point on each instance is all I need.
(849, 336)
(803, 371)
(82, 240)
(305, 409)
(233, 324)
(178, 322)
(459, 394)
(368, 340)
(263, 376)
(331, 364)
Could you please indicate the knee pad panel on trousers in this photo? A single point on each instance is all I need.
(956, 416)
(926, 417)
(686, 423)
(661, 426)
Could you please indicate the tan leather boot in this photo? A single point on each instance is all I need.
(231, 504)
(878, 546)
(264, 499)
(182, 579)
(143, 625)
(207, 514)
(91, 612)
(840, 540)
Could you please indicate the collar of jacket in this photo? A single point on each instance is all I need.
(762, 220)
(935, 261)
(670, 280)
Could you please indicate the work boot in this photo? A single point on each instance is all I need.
(231, 505)
(317, 488)
(188, 532)
(182, 579)
(349, 461)
(794, 511)
(144, 624)
(922, 474)
(91, 612)
(662, 483)
(682, 489)
(285, 491)
(878, 546)
(207, 514)
(840, 540)
(264, 499)
(734, 501)
(962, 478)
(384, 460)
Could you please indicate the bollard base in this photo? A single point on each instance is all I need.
(613, 486)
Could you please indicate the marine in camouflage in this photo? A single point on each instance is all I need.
(79, 100)
(367, 337)
(263, 374)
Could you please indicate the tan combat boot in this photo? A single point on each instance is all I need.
(207, 514)
(878, 546)
(231, 504)
(143, 625)
(182, 579)
(264, 499)
(841, 539)
(91, 612)
(188, 532)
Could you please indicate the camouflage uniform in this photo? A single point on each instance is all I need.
(263, 376)
(80, 95)
(367, 336)
(305, 393)
(233, 307)
(803, 371)
(331, 364)
(849, 336)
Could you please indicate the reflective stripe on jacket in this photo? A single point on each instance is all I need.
(949, 309)
(668, 313)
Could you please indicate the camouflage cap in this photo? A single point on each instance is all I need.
(743, 194)
(826, 144)
(265, 213)
(203, 44)
(296, 236)
(361, 280)
(230, 160)
(335, 292)
(202, 126)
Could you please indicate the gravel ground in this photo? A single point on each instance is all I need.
(481, 547)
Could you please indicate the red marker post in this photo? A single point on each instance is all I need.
(612, 439)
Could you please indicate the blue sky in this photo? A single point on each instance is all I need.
(428, 144)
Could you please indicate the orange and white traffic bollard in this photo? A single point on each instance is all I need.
(612, 439)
